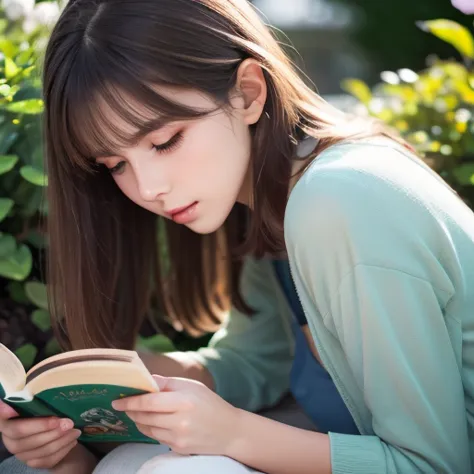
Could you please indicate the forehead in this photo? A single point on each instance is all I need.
(114, 119)
(192, 99)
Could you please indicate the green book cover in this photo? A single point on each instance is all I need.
(89, 407)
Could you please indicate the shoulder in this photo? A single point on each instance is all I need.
(370, 200)
(356, 172)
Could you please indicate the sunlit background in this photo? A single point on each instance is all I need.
(359, 38)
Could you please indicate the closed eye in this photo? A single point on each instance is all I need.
(117, 168)
(171, 144)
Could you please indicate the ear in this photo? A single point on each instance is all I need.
(252, 88)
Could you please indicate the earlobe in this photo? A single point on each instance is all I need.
(253, 88)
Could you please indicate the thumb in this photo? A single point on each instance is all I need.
(173, 384)
(161, 382)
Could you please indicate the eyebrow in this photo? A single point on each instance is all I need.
(146, 128)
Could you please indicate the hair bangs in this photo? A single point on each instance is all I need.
(108, 108)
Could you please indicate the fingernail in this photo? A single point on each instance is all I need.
(66, 424)
(77, 433)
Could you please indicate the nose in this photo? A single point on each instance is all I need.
(151, 184)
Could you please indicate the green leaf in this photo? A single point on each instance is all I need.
(7, 245)
(451, 32)
(464, 174)
(22, 192)
(8, 134)
(17, 292)
(5, 90)
(34, 176)
(31, 205)
(52, 347)
(5, 207)
(157, 343)
(24, 57)
(27, 71)
(36, 239)
(26, 354)
(7, 163)
(27, 92)
(8, 47)
(11, 69)
(29, 106)
(18, 265)
(41, 319)
(37, 293)
(358, 89)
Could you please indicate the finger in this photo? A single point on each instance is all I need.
(51, 461)
(6, 412)
(48, 449)
(163, 402)
(34, 441)
(174, 384)
(159, 420)
(22, 428)
(159, 434)
(161, 381)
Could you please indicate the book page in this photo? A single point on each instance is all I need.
(12, 373)
(90, 353)
(95, 372)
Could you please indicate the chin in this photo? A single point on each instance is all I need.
(204, 226)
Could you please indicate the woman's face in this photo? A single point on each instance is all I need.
(200, 166)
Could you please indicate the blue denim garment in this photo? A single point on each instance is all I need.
(311, 385)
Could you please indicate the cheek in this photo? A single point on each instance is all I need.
(215, 153)
(129, 187)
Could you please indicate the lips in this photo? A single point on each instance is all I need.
(178, 210)
(183, 215)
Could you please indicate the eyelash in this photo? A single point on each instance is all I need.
(170, 145)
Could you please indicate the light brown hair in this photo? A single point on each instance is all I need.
(105, 271)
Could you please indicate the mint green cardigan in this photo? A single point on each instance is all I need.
(382, 255)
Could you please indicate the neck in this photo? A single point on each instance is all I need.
(297, 169)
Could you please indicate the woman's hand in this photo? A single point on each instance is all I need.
(38, 442)
(185, 415)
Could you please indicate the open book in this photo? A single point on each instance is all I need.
(79, 385)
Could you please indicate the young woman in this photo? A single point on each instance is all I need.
(192, 170)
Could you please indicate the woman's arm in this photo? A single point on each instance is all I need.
(276, 448)
(373, 269)
(177, 364)
(248, 361)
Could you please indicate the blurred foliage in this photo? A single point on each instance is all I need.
(434, 108)
(385, 31)
(24, 29)
(22, 178)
